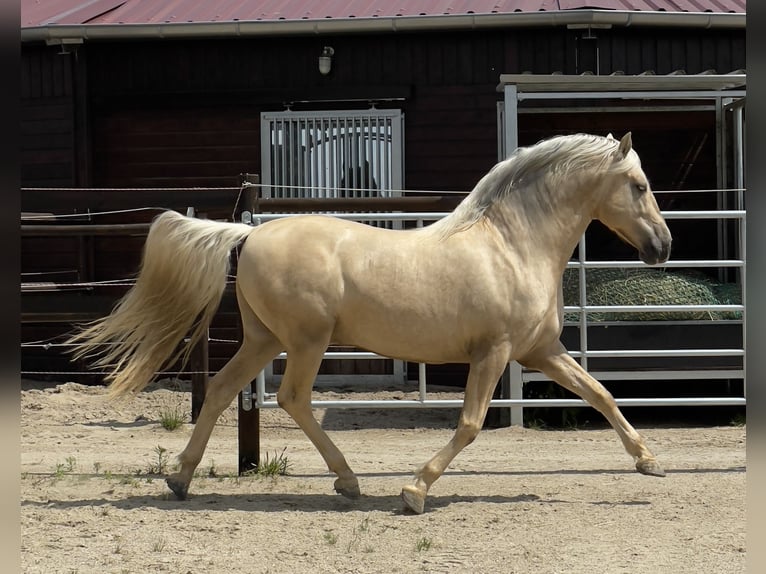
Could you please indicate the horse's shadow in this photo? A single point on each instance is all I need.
(281, 502)
(331, 502)
(275, 502)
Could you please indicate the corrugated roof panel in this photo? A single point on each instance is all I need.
(718, 6)
(36, 13)
(39, 13)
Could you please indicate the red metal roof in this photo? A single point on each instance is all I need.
(62, 12)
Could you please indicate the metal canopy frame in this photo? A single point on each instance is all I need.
(721, 94)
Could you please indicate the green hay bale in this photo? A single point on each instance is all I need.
(649, 287)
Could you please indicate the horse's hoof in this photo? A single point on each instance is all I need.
(348, 487)
(179, 488)
(414, 499)
(650, 467)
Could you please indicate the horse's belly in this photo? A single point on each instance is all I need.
(407, 339)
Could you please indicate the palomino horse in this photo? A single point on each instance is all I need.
(481, 286)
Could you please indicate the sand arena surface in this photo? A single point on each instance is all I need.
(515, 501)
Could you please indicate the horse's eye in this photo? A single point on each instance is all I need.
(641, 188)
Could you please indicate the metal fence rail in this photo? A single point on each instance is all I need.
(258, 397)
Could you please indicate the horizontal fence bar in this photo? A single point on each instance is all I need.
(435, 215)
(345, 355)
(667, 264)
(457, 403)
(650, 375)
(632, 353)
(705, 214)
(650, 308)
(377, 216)
(590, 352)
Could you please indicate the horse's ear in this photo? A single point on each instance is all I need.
(609, 136)
(626, 144)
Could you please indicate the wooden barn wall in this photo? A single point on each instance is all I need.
(47, 119)
(173, 113)
(188, 111)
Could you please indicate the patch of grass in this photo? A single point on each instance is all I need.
(356, 535)
(739, 420)
(278, 465)
(60, 471)
(118, 546)
(330, 537)
(129, 481)
(172, 418)
(162, 461)
(159, 545)
(535, 424)
(423, 544)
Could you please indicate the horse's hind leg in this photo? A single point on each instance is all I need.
(484, 373)
(562, 368)
(294, 396)
(249, 360)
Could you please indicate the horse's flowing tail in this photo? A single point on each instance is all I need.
(180, 284)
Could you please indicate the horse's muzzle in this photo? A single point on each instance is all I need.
(656, 251)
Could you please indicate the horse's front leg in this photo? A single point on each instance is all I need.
(484, 373)
(563, 369)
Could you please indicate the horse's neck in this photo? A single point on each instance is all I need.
(549, 230)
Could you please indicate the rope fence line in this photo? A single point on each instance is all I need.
(49, 343)
(47, 216)
(107, 283)
(304, 187)
(157, 374)
(261, 185)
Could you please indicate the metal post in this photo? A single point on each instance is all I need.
(516, 384)
(511, 127)
(501, 416)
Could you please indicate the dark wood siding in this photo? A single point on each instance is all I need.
(176, 146)
(47, 119)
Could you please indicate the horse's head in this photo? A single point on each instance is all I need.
(628, 207)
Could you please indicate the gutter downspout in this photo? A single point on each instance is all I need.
(616, 18)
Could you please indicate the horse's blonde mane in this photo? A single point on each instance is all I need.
(536, 169)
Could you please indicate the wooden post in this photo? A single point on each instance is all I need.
(199, 364)
(248, 434)
(250, 200)
(248, 416)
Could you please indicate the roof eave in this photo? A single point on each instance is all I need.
(614, 18)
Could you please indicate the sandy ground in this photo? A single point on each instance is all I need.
(515, 501)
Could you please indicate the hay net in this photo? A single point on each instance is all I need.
(650, 287)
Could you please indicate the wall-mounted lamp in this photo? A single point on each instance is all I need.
(66, 45)
(325, 60)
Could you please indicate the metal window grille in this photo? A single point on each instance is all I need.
(327, 154)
